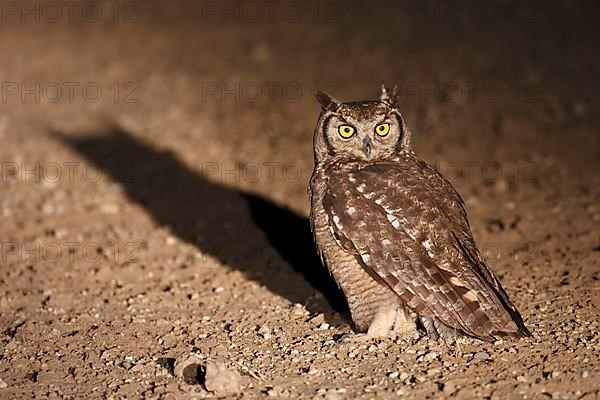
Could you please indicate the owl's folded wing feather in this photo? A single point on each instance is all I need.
(407, 227)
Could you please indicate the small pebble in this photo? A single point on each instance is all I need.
(333, 396)
(404, 376)
(277, 391)
(3, 384)
(265, 332)
(449, 388)
(262, 329)
(48, 209)
(299, 310)
(318, 319)
(432, 355)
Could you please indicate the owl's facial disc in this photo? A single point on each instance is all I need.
(363, 130)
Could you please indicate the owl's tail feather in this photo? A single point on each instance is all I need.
(514, 314)
(511, 323)
(510, 326)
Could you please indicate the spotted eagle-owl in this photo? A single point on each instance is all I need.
(394, 233)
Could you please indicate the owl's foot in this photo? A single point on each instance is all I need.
(405, 325)
(437, 330)
(391, 322)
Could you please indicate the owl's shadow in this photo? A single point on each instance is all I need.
(271, 245)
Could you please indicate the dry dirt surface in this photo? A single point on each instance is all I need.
(153, 204)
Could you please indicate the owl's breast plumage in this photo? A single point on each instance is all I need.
(365, 295)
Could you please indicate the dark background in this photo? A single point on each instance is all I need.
(155, 159)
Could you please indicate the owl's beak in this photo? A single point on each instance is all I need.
(366, 147)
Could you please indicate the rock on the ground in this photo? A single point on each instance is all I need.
(220, 380)
(188, 368)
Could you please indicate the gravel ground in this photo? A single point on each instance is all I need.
(153, 198)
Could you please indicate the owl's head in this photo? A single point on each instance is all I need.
(367, 130)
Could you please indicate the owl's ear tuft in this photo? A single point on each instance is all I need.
(390, 97)
(328, 102)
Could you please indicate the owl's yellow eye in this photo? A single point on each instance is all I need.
(346, 131)
(382, 129)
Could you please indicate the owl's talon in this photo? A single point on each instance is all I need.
(410, 336)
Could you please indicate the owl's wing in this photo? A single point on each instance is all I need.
(407, 227)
